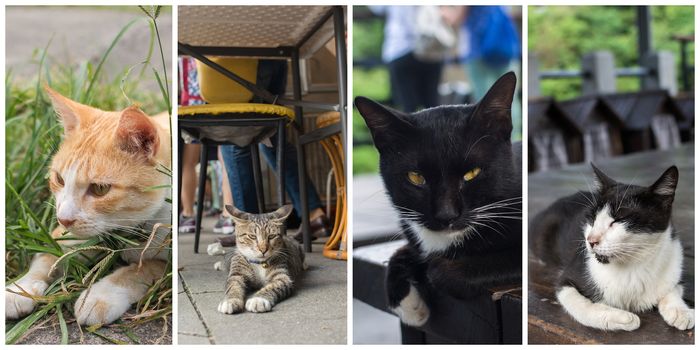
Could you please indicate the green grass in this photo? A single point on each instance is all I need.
(32, 136)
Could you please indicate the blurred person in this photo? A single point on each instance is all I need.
(190, 95)
(272, 76)
(492, 48)
(416, 42)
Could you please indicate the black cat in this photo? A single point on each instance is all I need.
(455, 180)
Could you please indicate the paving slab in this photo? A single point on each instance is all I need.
(315, 314)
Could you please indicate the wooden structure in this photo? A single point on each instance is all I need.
(548, 323)
(650, 119)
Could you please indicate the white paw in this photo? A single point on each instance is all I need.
(258, 304)
(680, 317)
(615, 319)
(219, 266)
(17, 306)
(103, 303)
(230, 306)
(412, 310)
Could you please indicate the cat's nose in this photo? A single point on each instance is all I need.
(66, 222)
(593, 241)
(263, 249)
(447, 214)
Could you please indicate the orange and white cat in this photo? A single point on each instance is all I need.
(102, 177)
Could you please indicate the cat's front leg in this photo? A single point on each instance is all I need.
(674, 310)
(278, 287)
(405, 271)
(595, 315)
(109, 298)
(234, 297)
(34, 282)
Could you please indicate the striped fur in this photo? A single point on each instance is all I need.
(265, 264)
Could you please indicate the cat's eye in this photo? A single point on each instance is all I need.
(99, 190)
(271, 236)
(416, 178)
(471, 174)
(59, 180)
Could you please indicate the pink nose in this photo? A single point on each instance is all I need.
(66, 223)
(593, 241)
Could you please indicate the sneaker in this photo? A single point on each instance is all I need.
(186, 224)
(212, 212)
(224, 225)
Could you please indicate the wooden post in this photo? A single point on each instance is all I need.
(662, 69)
(598, 69)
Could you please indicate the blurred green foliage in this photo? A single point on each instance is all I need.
(560, 35)
(368, 35)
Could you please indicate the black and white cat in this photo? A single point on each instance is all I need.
(454, 179)
(618, 253)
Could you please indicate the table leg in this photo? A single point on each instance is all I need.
(301, 155)
(200, 194)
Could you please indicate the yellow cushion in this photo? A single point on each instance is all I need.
(217, 88)
(222, 108)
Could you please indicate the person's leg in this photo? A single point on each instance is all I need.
(225, 185)
(291, 178)
(429, 77)
(237, 163)
(190, 158)
(404, 83)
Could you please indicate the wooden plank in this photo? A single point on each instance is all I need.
(452, 321)
(548, 323)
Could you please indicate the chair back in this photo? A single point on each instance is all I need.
(217, 88)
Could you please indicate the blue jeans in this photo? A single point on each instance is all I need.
(237, 161)
(272, 75)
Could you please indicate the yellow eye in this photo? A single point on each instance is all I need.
(99, 190)
(471, 174)
(416, 178)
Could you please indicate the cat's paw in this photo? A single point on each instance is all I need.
(103, 303)
(230, 306)
(680, 317)
(412, 310)
(258, 304)
(615, 320)
(17, 306)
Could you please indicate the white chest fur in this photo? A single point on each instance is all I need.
(437, 241)
(260, 273)
(639, 285)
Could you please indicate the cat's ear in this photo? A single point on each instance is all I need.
(281, 214)
(493, 111)
(236, 214)
(666, 184)
(66, 109)
(136, 134)
(604, 181)
(386, 125)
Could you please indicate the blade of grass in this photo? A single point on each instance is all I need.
(62, 324)
(104, 58)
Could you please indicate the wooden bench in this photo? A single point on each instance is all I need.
(493, 317)
(548, 323)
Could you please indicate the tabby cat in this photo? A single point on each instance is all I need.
(617, 251)
(103, 177)
(266, 262)
(453, 176)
